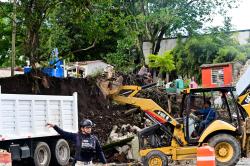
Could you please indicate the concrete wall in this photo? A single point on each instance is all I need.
(243, 36)
(237, 66)
(147, 49)
(166, 44)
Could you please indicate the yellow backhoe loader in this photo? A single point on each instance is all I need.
(228, 133)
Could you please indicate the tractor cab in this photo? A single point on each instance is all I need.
(207, 110)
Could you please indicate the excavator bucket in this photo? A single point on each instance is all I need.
(109, 87)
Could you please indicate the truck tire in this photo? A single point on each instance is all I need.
(61, 152)
(227, 149)
(155, 158)
(42, 154)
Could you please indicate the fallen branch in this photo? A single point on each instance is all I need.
(85, 49)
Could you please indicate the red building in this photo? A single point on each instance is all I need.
(220, 74)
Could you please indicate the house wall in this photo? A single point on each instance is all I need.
(207, 76)
(7, 72)
(228, 75)
(93, 68)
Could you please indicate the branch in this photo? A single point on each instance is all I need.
(159, 39)
(79, 50)
(48, 8)
(148, 31)
(192, 1)
(85, 49)
(45, 9)
(156, 31)
(129, 12)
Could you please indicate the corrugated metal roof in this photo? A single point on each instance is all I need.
(217, 64)
(83, 62)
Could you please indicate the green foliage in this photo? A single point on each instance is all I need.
(246, 49)
(164, 62)
(123, 59)
(193, 52)
(217, 47)
(229, 54)
(5, 41)
(5, 38)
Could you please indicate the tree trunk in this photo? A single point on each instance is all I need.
(140, 50)
(13, 57)
(139, 47)
(167, 77)
(158, 41)
(32, 43)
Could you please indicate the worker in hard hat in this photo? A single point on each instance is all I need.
(87, 145)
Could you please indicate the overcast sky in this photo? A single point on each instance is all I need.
(240, 16)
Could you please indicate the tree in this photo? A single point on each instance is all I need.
(125, 55)
(97, 33)
(155, 19)
(193, 53)
(230, 54)
(33, 14)
(164, 62)
(5, 37)
(36, 20)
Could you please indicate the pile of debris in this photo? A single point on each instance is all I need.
(125, 142)
(168, 101)
(110, 82)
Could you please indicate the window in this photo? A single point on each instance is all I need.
(218, 76)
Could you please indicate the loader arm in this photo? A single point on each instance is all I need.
(146, 105)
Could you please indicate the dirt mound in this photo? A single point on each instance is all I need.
(91, 103)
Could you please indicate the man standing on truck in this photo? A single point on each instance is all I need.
(87, 145)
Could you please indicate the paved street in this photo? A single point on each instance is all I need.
(244, 162)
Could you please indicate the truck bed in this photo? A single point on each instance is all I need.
(25, 116)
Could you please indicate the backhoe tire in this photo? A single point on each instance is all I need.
(155, 158)
(42, 154)
(61, 152)
(227, 149)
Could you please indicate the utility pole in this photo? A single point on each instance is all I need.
(13, 56)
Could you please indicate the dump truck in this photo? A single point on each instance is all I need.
(228, 133)
(23, 130)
